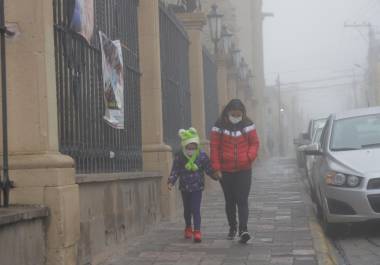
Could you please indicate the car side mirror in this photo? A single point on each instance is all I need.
(302, 148)
(313, 149)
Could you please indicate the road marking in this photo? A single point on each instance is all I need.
(322, 245)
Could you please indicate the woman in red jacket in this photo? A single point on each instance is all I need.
(234, 147)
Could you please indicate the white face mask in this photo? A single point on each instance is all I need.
(235, 120)
(190, 153)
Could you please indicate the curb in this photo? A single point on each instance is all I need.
(323, 247)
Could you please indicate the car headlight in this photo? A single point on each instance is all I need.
(353, 181)
(338, 179)
(342, 180)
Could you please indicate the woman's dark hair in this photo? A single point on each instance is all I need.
(234, 104)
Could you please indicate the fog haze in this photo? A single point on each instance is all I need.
(307, 38)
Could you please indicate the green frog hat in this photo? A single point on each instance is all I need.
(188, 137)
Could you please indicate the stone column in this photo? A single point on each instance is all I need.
(157, 156)
(222, 72)
(194, 23)
(40, 173)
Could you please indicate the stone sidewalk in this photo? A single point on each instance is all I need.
(280, 213)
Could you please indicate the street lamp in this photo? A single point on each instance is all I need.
(243, 69)
(280, 113)
(249, 81)
(250, 77)
(215, 23)
(235, 55)
(190, 5)
(226, 38)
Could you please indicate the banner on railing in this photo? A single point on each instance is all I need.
(113, 81)
(82, 21)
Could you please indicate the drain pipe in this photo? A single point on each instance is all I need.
(5, 183)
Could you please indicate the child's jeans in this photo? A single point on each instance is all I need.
(192, 207)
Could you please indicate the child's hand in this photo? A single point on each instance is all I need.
(170, 186)
(218, 175)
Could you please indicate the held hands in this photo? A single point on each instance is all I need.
(170, 186)
(217, 175)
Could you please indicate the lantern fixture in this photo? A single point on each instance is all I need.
(215, 24)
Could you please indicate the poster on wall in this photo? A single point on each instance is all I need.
(82, 21)
(113, 81)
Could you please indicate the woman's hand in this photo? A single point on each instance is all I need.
(170, 186)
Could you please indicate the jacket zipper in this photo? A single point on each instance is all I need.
(236, 156)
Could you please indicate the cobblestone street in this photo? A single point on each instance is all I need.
(279, 222)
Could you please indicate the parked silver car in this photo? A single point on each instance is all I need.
(307, 139)
(310, 159)
(346, 173)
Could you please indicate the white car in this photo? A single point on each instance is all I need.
(346, 175)
(310, 161)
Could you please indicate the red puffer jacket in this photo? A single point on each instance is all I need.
(234, 150)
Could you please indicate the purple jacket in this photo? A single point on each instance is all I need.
(190, 181)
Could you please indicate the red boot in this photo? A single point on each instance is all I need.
(188, 233)
(197, 236)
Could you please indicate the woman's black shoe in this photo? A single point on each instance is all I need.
(231, 234)
(244, 237)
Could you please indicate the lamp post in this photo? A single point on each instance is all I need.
(249, 78)
(215, 23)
(281, 110)
(235, 55)
(367, 83)
(226, 38)
(243, 69)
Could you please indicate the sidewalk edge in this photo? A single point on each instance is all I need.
(322, 246)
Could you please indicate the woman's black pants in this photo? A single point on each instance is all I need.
(236, 187)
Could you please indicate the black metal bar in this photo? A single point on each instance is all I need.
(83, 133)
(6, 183)
(176, 105)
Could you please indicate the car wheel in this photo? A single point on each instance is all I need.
(319, 212)
(313, 196)
(332, 230)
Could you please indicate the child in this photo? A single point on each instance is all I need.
(189, 166)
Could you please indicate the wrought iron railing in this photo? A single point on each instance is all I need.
(83, 133)
(210, 90)
(187, 6)
(175, 76)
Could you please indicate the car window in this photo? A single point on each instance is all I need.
(309, 130)
(317, 136)
(319, 124)
(324, 134)
(356, 133)
(315, 125)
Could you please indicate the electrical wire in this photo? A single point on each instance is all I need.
(318, 80)
(337, 86)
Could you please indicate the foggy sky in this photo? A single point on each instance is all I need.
(307, 38)
(306, 41)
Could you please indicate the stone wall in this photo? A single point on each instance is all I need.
(113, 208)
(22, 236)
